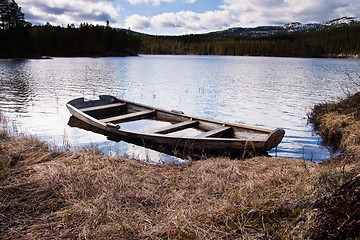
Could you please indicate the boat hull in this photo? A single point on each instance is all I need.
(218, 137)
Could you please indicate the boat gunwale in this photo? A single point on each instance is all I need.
(106, 126)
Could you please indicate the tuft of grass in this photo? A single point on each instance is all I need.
(339, 123)
(4, 133)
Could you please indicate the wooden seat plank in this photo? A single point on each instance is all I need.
(214, 133)
(102, 107)
(176, 127)
(129, 117)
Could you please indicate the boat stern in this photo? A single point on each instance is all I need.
(273, 139)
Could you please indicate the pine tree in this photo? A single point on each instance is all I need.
(11, 15)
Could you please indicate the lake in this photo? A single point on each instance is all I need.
(257, 91)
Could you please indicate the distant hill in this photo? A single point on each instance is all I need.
(278, 31)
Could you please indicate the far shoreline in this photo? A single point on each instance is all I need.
(49, 57)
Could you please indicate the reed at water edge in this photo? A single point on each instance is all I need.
(47, 193)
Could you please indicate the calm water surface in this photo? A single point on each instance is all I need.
(256, 91)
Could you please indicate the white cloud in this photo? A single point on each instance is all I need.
(156, 2)
(62, 12)
(263, 12)
(137, 22)
(149, 2)
(184, 20)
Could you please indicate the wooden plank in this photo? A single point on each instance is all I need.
(214, 133)
(102, 107)
(251, 136)
(177, 127)
(129, 117)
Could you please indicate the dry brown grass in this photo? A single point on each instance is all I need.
(337, 216)
(339, 123)
(209, 199)
(345, 127)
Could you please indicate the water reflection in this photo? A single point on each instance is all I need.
(15, 89)
(256, 91)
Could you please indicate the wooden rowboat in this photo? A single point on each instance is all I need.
(178, 131)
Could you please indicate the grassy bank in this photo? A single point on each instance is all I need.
(47, 194)
(338, 123)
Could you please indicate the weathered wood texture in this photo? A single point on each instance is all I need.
(102, 107)
(129, 117)
(214, 133)
(177, 127)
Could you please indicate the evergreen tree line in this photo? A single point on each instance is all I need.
(11, 15)
(18, 39)
(331, 42)
(87, 40)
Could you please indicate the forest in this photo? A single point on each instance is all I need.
(90, 40)
(342, 41)
(19, 39)
(55, 41)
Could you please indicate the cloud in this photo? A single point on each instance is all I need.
(149, 2)
(137, 22)
(262, 12)
(62, 12)
(184, 20)
(156, 2)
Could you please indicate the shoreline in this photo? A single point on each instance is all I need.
(339, 56)
(66, 56)
(47, 193)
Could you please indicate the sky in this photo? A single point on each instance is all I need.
(175, 17)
